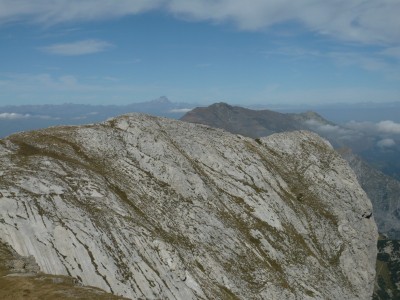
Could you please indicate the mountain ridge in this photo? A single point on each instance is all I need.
(156, 208)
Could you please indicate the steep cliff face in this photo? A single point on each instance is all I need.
(153, 208)
(384, 192)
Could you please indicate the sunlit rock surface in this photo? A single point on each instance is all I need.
(146, 207)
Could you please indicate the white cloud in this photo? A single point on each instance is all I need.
(356, 20)
(389, 127)
(17, 116)
(333, 131)
(52, 12)
(180, 110)
(384, 128)
(381, 133)
(362, 126)
(386, 143)
(366, 21)
(78, 48)
(13, 116)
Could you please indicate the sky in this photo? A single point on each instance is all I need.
(199, 51)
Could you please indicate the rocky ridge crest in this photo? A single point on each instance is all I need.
(146, 207)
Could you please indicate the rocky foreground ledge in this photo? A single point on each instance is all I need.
(147, 207)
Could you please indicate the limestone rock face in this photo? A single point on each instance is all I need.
(146, 207)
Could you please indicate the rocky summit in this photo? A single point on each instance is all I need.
(151, 208)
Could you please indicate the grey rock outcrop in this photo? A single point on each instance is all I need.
(153, 208)
(15, 263)
(383, 190)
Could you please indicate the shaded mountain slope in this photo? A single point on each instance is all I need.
(153, 208)
(388, 270)
(247, 122)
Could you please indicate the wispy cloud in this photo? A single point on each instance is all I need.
(382, 127)
(386, 143)
(367, 62)
(335, 132)
(30, 86)
(294, 52)
(327, 128)
(50, 12)
(13, 116)
(376, 61)
(365, 21)
(180, 110)
(392, 51)
(384, 134)
(18, 116)
(78, 48)
(47, 88)
(389, 127)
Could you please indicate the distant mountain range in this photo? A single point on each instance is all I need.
(28, 117)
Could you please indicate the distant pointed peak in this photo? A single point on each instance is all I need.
(313, 116)
(161, 100)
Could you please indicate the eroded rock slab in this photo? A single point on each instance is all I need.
(153, 208)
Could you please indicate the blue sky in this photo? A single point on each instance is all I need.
(241, 52)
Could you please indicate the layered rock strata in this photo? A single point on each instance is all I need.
(152, 208)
